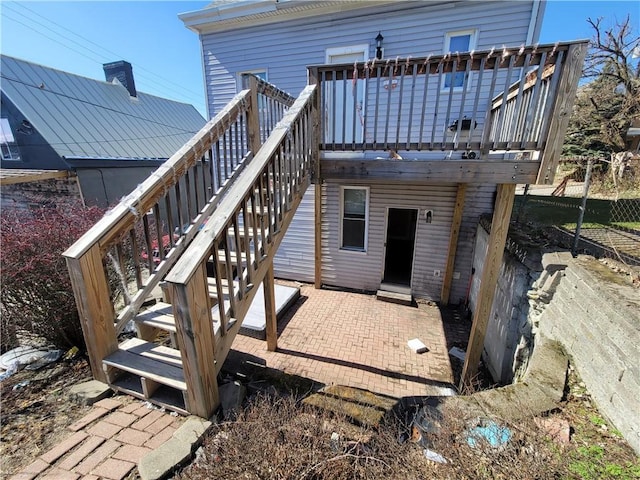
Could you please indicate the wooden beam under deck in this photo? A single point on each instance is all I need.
(488, 280)
(420, 171)
(453, 244)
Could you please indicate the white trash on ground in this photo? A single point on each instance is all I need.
(30, 358)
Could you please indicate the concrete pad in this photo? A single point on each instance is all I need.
(88, 393)
(192, 430)
(394, 297)
(255, 323)
(164, 460)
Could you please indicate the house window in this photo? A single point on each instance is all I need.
(260, 73)
(458, 42)
(8, 145)
(354, 203)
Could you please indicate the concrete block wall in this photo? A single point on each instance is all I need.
(581, 303)
(42, 192)
(508, 336)
(596, 317)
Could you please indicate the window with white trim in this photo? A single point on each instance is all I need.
(461, 41)
(8, 146)
(354, 208)
(259, 72)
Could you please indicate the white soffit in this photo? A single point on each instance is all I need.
(225, 15)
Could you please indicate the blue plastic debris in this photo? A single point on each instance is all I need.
(490, 432)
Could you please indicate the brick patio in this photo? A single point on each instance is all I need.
(337, 337)
(106, 443)
(331, 337)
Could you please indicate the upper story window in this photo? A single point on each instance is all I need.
(355, 218)
(461, 41)
(259, 72)
(8, 146)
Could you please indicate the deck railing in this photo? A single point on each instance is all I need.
(474, 102)
(214, 282)
(116, 265)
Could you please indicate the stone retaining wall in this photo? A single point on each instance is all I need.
(593, 312)
(595, 315)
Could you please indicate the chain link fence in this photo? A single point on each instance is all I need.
(593, 207)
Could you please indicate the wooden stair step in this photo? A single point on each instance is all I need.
(161, 316)
(141, 360)
(158, 316)
(168, 355)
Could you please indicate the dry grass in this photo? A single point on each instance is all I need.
(279, 438)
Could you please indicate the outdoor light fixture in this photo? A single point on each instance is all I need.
(428, 216)
(379, 39)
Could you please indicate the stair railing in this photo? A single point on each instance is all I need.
(117, 264)
(482, 101)
(261, 203)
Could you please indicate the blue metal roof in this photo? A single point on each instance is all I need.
(83, 117)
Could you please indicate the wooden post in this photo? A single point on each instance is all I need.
(194, 328)
(93, 299)
(253, 120)
(317, 173)
(561, 111)
(453, 244)
(489, 280)
(270, 308)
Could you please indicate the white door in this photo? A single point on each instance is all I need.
(345, 102)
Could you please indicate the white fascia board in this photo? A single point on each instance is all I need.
(222, 17)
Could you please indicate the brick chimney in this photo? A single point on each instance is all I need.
(123, 72)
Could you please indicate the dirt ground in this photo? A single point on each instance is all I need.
(35, 410)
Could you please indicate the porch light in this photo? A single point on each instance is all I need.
(379, 39)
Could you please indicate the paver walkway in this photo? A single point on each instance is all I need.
(106, 443)
(337, 337)
(332, 337)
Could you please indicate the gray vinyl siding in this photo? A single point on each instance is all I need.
(364, 270)
(285, 49)
(295, 258)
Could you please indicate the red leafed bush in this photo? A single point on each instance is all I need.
(36, 294)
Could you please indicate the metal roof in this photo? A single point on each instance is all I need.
(83, 117)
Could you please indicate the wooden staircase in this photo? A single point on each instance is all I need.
(211, 271)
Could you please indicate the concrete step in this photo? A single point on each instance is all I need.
(394, 297)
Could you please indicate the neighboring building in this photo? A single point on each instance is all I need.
(373, 232)
(106, 134)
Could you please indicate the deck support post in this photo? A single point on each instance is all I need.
(194, 328)
(488, 281)
(270, 309)
(316, 135)
(453, 244)
(253, 122)
(93, 299)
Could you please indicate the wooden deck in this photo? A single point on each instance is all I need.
(215, 213)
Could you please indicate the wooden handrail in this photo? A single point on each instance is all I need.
(199, 249)
(144, 196)
(263, 201)
(162, 216)
(413, 104)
